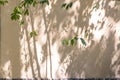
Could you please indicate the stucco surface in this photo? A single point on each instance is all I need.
(44, 56)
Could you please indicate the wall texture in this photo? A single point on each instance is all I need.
(10, 48)
(44, 56)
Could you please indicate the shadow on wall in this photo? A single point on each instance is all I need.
(54, 24)
(45, 57)
(94, 61)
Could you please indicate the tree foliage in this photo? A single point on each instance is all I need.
(67, 5)
(22, 9)
(73, 41)
(2, 2)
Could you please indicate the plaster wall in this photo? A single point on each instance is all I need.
(44, 56)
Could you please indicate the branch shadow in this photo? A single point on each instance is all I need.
(57, 24)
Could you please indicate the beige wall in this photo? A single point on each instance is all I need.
(0, 34)
(9, 42)
(44, 56)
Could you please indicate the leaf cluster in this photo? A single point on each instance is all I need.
(22, 8)
(67, 5)
(2, 2)
(73, 41)
(16, 13)
(44, 1)
(33, 33)
(96, 6)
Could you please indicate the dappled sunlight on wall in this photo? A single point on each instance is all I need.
(44, 55)
(116, 55)
(58, 61)
(6, 70)
(25, 57)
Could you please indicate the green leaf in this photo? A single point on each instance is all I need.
(16, 13)
(96, 6)
(47, 2)
(75, 38)
(63, 5)
(2, 2)
(33, 33)
(83, 41)
(44, 1)
(65, 42)
(86, 35)
(29, 1)
(18, 10)
(34, 3)
(70, 4)
(24, 4)
(22, 22)
(67, 7)
(72, 42)
(15, 16)
(26, 12)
